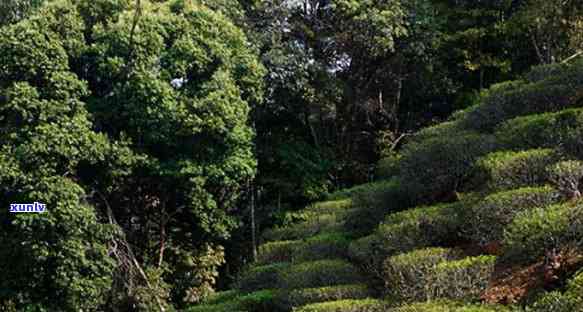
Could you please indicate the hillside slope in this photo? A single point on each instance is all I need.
(480, 213)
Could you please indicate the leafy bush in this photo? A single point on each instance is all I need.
(364, 305)
(436, 168)
(388, 167)
(557, 92)
(261, 277)
(331, 206)
(314, 225)
(405, 231)
(372, 204)
(567, 176)
(280, 251)
(300, 297)
(323, 246)
(557, 302)
(221, 297)
(534, 232)
(260, 301)
(487, 219)
(448, 306)
(368, 254)
(463, 279)
(420, 227)
(428, 274)
(362, 188)
(319, 274)
(549, 130)
(509, 170)
(409, 276)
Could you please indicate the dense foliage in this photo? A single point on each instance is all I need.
(308, 155)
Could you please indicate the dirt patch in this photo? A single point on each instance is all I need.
(512, 285)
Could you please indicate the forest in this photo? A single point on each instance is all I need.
(291, 155)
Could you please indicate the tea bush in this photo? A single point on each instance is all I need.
(449, 306)
(463, 279)
(314, 225)
(261, 277)
(510, 170)
(488, 218)
(409, 276)
(436, 168)
(549, 130)
(300, 297)
(319, 274)
(557, 302)
(280, 251)
(558, 91)
(567, 176)
(364, 305)
(372, 205)
(419, 227)
(534, 232)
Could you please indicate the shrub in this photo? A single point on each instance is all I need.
(230, 306)
(534, 232)
(261, 277)
(323, 246)
(368, 254)
(315, 224)
(557, 92)
(487, 219)
(260, 301)
(429, 274)
(436, 168)
(509, 170)
(448, 306)
(221, 297)
(281, 251)
(300, 297)
(319, 274)
(567, 176)
(350, 192)
(408, 276)
(490, 109)
(405, 231)
(419, 227)
(332, 206)
(557, 302)
(463, 279)
(364, 305)
(372, 204)
(544, 130)
(388, 167)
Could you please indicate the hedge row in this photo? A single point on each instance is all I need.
(314, 225)
(487, 219)
(301, 297)
(509, 170)
(405, 231)
(536, 231)
(548, 130)
(433, 273)
(435, 169)
(450, 306)
(555, 90)
(319, 274)
(260, 301)
(319, 247)
(261, 277)
(364, 305)
(568, 301)
(372, 204)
